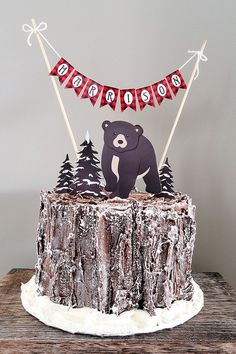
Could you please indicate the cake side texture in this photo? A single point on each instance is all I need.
(117, 254)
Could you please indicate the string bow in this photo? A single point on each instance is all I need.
(28, 29)
(200, 57)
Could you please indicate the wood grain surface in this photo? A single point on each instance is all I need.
(213, 330)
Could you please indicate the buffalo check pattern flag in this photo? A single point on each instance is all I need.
(176, 81)
(77, 81)
(127, 99)
(92, 91)
(109, 96)
(62, 70)
(161, 91)
(145, 97)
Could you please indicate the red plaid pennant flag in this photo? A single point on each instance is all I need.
(77, 82)
(127, 99)
(109, 96)
(145, 97)
(92, 91)
(161, 91)
(176, 81)
(62, 70)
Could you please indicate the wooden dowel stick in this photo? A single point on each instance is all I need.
(181, 108)
(56, 90)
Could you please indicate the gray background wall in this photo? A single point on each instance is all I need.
(125, 44)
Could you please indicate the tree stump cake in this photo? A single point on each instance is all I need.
(115, 255)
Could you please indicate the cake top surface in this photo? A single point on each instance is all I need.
(179, 203)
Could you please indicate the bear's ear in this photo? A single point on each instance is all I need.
(105, 124)
(138, 129)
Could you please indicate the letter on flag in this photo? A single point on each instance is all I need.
(176, 81)
(77, 82)
(127, 99)
(62, 70)
(92, 91)
(161, 91)
(109, 96)
(145, 97)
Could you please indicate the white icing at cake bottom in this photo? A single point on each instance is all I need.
(90, 321)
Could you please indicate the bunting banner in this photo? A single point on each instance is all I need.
(129, 98)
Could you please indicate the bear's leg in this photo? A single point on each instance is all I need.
(124, 188)
(111, 182)
(152, 181)
(110, 178)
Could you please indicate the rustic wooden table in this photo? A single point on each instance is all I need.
(213, 330)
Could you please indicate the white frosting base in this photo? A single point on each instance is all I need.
(90, 321)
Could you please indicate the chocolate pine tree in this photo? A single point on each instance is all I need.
(87, 173)
(65, 177)
(166, 179)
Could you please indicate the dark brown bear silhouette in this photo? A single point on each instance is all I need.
(128, 155)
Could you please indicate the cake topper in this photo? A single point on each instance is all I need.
(166, 179)
(87, 173)
(109, 96)
(65, 177)
(128, 155)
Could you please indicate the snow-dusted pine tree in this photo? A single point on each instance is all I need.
(65, 177)
(166, 179)
(87, 173)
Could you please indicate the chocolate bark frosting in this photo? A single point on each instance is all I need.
(117, 254)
